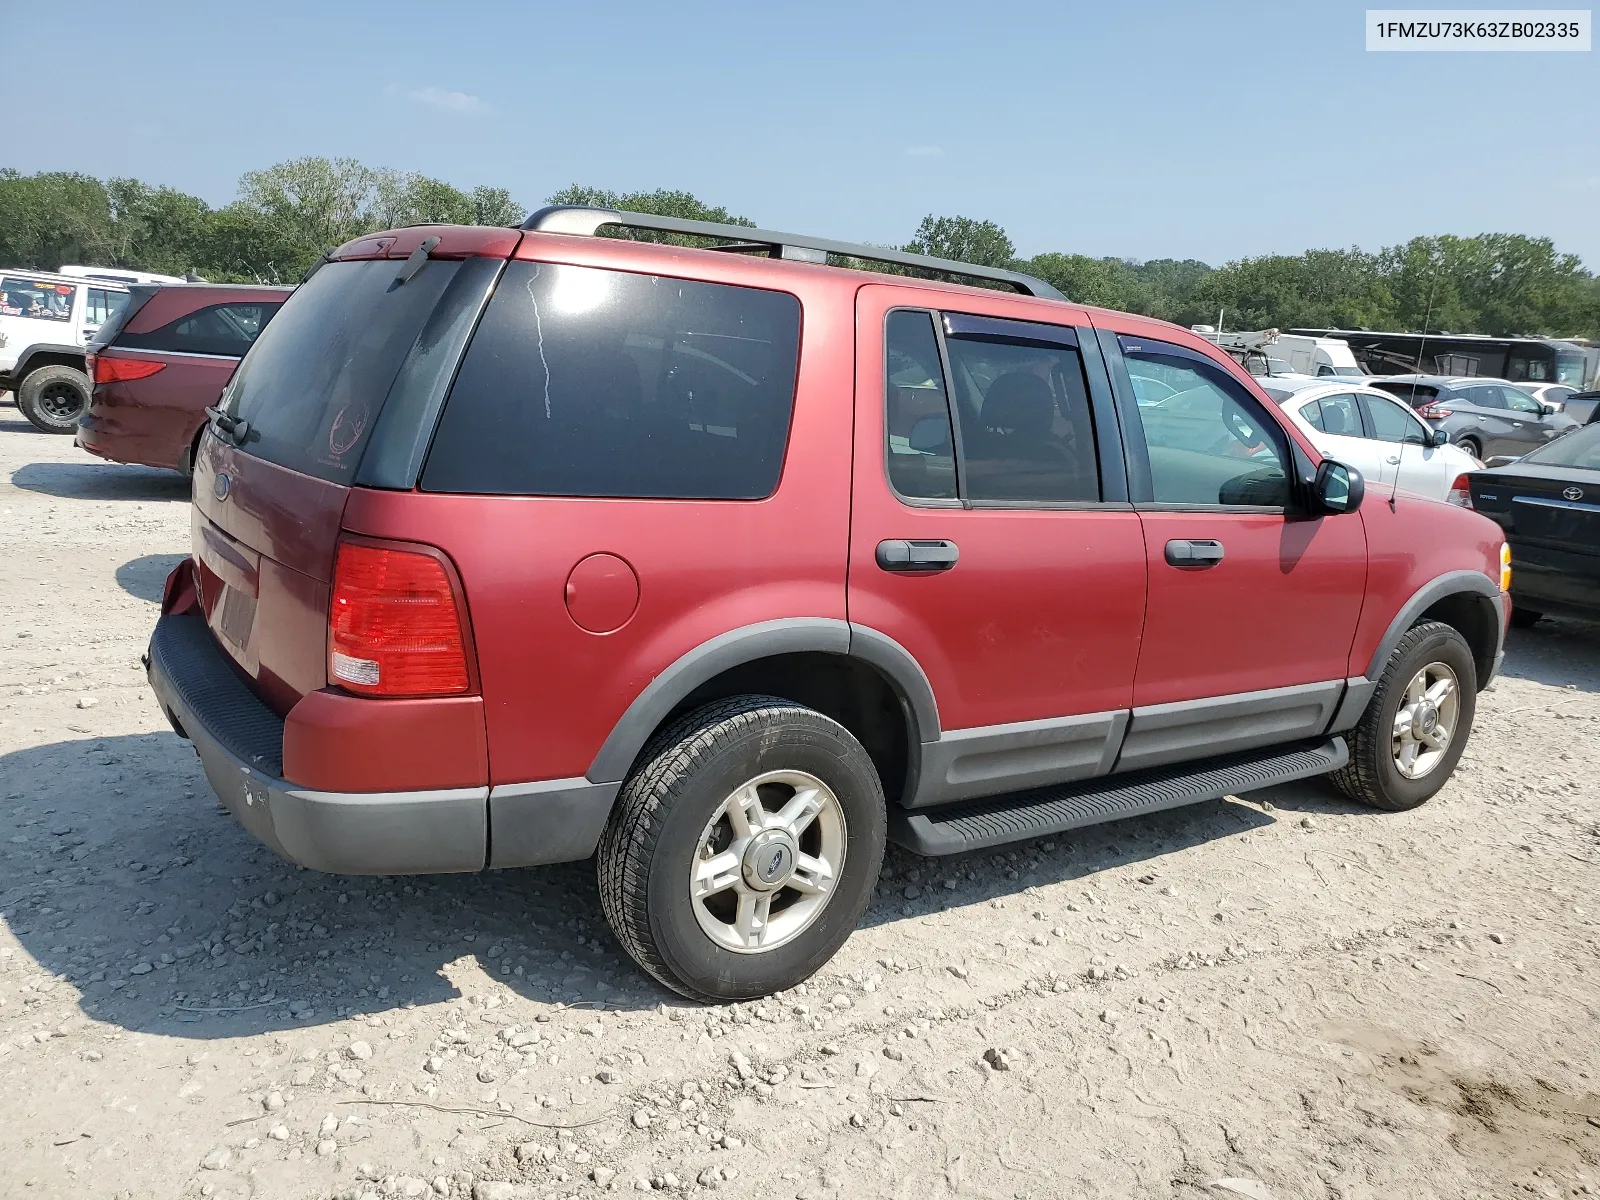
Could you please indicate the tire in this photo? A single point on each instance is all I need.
(54, 397)
(667, 827)
(1374, 774)
(1524, 618)
(1471, 446)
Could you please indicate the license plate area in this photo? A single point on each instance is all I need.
(229, 578)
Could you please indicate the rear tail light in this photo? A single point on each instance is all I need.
(394, 626)
(1432, 412)
(119, 370)
(1461, 492)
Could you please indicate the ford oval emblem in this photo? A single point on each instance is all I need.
(221, 486)
(1573, 493)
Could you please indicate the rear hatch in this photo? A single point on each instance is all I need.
(272, 476)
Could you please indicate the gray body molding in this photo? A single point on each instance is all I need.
(967, 763)
(1450, 584)
(558, 820)
(790, 635)
(1191, 729)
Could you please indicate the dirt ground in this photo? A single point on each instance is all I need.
(1276, 995)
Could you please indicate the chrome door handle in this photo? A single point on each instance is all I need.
(1392, 461)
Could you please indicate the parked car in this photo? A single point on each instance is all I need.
(124, 275)
(45, 321)
(162, 361)
(1555, 395)
(1548, 502)
(1484, 417)
(517, 547)
(1374, 432)
(1583, 407)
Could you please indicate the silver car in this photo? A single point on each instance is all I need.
(1485, 417)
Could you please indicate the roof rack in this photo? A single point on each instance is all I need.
(742, 239)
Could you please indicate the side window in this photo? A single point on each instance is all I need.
(1341, 416)
(1391, 423)
(1209, 443)
(1312, 412)
(40, 299)
(1026, 432)
(223, 330)
(1483, 396)
(1518, 400)
(103, 305)
(921, 450)
(588, 382)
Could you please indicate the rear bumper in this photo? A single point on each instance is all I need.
(240, 744)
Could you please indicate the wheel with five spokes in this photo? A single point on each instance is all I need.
(1416, 725)
(743, 848)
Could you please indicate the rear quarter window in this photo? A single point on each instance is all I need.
(223, 330)
(316, 377)
(588, 382)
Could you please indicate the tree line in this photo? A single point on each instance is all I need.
(288, 214)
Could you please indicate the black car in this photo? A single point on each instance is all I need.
(1548, 502)
(1583, 407)
(1484, 417)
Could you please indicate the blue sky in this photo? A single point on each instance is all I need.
(1146, 130)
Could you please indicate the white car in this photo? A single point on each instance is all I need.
(1375, 433)
(46, 319)
(1555, 395)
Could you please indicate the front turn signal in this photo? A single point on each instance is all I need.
(1505, 566)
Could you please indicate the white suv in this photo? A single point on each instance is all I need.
(46, 319)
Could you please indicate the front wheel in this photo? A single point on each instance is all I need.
(54, 397)
(1417, 723)
(743, 848)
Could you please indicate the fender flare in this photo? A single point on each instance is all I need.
(1453, 583)
(24, 360)
(767, 639)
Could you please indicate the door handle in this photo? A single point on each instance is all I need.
(1392, 461)
(1185, 553)
(900, 554)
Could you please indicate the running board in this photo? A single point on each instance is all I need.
(959, 828)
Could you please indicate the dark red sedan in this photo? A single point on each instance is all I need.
(159, 363)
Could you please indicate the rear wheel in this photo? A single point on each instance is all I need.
(1525, 618)
(54, 397)
(1417, 723)
(743, 849)
(1472, 446)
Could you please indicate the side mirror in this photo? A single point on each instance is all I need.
(930, 435)
(1546, 407)
(1501, 460)
(1338, 488)
(1438, 437)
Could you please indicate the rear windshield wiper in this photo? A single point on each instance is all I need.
(235, 429)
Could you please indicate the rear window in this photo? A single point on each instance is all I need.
(1580, 449)
(586, 382)
(223, 330)
(314, 380)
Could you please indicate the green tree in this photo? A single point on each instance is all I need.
(963, 239)
(53, 218)
(661, 203)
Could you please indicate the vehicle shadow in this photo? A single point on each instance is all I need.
(100, 481)
(146, 577)
(1558, 652)
(122, 876)
(168, 918)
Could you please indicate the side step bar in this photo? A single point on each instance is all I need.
(1022, 815)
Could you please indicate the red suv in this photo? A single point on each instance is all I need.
(160, 362)
(729, 566)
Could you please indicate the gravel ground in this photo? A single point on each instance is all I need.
(1277, 995)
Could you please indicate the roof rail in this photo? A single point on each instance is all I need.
(578, 219)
